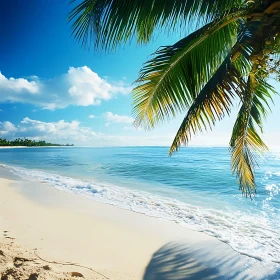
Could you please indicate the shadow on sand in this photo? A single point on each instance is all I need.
(181, 261)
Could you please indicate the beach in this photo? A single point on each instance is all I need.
(139, 140)
(49, 225)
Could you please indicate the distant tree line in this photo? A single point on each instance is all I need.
(28, 143)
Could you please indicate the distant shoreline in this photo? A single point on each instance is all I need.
(25, 142)
(12, 147)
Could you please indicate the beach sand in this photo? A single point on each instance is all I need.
(40, 225)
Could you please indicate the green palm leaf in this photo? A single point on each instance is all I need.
(215, 99)
(109, 22)
(211, 104)
(170, 81)
(246, 144)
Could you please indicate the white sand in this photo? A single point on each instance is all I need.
(120, 244)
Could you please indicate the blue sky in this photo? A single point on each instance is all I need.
(51, 88)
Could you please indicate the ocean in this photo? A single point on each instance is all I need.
(194, 188)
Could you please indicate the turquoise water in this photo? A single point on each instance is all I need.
(194, 188)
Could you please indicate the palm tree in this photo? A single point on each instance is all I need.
(227, 57)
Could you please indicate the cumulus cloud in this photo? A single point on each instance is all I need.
(7, 128)
(79, 86)
(91, 116)
(18, 85)
(72, 132)
(115, 118)
(58, 131)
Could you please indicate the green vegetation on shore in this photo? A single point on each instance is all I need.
(28, 143)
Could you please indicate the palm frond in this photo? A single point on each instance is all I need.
(212, 103)
(215, 99)
(246, 144)
(109, 22)
(172, 79)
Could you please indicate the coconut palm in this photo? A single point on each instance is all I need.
(227, 59)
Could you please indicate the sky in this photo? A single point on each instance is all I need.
(54, 89)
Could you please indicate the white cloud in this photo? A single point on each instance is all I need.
(55, 131)
(7, 128)
(18, 85)
(73, 132)
(91, 116)
(115, 118)
(86, 87)
(79, 86)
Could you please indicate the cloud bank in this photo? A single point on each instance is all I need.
(60, 131)
(115, 118)
(79, 86)
(63, 132)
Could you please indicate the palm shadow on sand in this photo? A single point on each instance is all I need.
(201, 261)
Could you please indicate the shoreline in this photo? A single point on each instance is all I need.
(121, 244)
(13, 147)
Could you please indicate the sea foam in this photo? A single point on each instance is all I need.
(252, 234)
